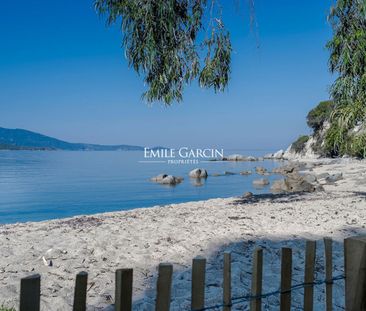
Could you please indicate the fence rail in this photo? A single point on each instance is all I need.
(355, 275)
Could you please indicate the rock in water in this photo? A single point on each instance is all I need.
(261, 182)
(261, 170)
(239, 157)
(165, 179)
(247, 195)
(198, 173)
(245, 172)
(159, 178)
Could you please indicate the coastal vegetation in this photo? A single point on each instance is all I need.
(299, 145)
(347, 132)
(339, 125)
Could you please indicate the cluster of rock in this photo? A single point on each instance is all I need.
(279, 155)
(296, 182)
(165, 179)
(293, 181)
(240, 157)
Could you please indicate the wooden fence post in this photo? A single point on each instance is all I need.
(227, 282)
(257, 276)
(123, 296)
(30, 293)
(355, 271)
(328, 249)
(80, 292)
(286, 275)
(198, 283)
(310, 253)
(164, 286)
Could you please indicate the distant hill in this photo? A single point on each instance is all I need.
(19, 139)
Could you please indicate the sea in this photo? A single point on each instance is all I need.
(44, 185)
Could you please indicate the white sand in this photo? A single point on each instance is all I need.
(142, 238)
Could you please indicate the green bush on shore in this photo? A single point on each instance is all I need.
(318, 115)
(299, 145)
(340, 139)
(2, 308)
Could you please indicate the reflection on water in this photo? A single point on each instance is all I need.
(36, 185)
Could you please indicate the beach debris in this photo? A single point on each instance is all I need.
(198, 173)
(260, 182)
(165, 179)
(46, 262)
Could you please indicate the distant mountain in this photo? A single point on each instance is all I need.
(19, 139)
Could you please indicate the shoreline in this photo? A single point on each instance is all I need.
(143, 237)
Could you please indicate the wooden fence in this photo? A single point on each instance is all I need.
(355, 289)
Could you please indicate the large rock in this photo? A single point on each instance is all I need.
(323, 175)
(334, 177)
(292, 167)
(260, 182)
(165, 179)
(310, 178)
(296, 183)
(278, 155)
(159, 178)
(247, 195)
(198, 173)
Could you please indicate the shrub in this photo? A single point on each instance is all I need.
(299, 145)
(321, 113)
(2, 308)
(357, 147)
(339, 139)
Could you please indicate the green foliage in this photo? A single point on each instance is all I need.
(161, 39)
(2, 308)
(358, 146)
(321, 113)
(347, 51)
(347, 59)
(340, 138)
(299, 145)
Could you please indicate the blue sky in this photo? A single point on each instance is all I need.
(63, 73)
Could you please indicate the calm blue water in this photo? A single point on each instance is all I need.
(37, 185)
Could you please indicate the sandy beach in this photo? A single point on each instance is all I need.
(142, 238)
